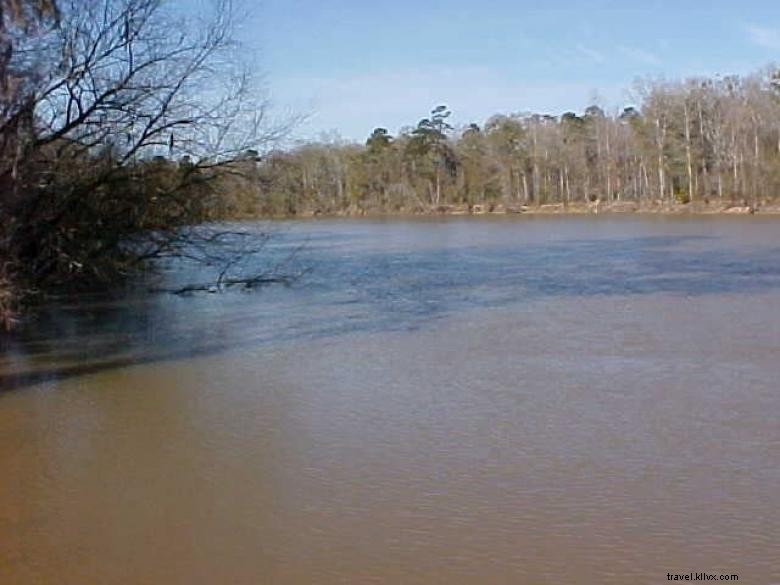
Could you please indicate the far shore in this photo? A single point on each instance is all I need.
(579, 208)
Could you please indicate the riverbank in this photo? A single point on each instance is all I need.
(579, 208)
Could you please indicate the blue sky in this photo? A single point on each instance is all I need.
(353, 65)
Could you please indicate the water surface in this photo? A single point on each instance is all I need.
(535, 400)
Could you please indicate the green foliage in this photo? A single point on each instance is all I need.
(378, 141)
(682, 198)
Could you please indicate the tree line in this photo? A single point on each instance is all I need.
(699, 141)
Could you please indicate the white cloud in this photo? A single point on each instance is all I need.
(591, 54)
(767, 38)
(640, 55)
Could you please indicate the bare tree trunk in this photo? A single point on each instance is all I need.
(688, 156)
(607, 166)
(535, 177)
(757, 164)
(645, 176)
(660, 131)
(586, 192)
(705, 170)
(561, 186)
(525, 189)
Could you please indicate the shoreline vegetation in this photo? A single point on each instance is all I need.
(699, 145)
(121, 145)
(117, 141)
(578, 209)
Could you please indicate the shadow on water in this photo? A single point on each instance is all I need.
(359, 289)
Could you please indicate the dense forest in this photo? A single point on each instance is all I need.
(700, 141)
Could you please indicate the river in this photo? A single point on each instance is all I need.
(482, 400)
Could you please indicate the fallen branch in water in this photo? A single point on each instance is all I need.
(234, 255)
(246, 283)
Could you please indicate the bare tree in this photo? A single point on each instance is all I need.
(683, 143)
(128, 118)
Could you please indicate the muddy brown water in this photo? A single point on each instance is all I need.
(533, 401)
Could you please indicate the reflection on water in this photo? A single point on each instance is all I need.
(534, 401)
(388, 276)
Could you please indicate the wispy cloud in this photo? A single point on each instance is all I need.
(768, 38)
(640, 55)
(591, 54)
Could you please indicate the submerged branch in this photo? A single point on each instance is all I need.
(225, 283)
